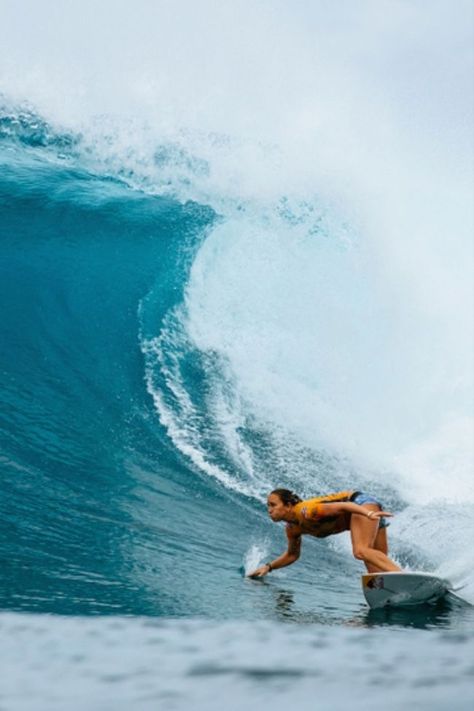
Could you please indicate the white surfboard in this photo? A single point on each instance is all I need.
(402, 588)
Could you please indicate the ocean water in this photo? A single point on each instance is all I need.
(219, 277)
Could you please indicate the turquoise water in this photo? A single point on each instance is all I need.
(204, 298)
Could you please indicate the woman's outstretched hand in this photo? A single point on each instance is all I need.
(379, 514)
(259, 572)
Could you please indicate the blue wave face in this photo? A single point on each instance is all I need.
(86, 468)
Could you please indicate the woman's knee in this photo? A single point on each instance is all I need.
(360, 552)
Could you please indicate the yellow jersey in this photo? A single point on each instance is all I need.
(310, 519)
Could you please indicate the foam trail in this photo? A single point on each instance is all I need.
(439, 530)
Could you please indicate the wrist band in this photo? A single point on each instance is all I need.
(269, 566)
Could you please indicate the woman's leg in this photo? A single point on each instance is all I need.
(364, 535)
(381, 542)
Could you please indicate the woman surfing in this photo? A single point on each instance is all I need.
(353, 511)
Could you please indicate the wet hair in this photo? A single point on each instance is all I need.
(287, 496)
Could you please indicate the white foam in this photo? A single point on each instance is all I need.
(319, 346)
(441, 531)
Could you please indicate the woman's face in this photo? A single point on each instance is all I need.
(277, 510)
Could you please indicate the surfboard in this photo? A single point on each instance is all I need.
(399, 589)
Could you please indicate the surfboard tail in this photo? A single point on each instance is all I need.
(400, 589)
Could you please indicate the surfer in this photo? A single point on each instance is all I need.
(353, 511)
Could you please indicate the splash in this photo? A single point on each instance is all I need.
(255, 556)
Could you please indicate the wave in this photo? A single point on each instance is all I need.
(269, 328)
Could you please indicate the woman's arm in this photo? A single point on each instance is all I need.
(287, 558)
(342, 506)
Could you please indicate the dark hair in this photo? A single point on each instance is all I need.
(287, 496)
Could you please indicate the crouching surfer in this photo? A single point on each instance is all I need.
(353, 511)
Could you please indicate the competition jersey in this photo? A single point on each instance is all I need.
(310, 519)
